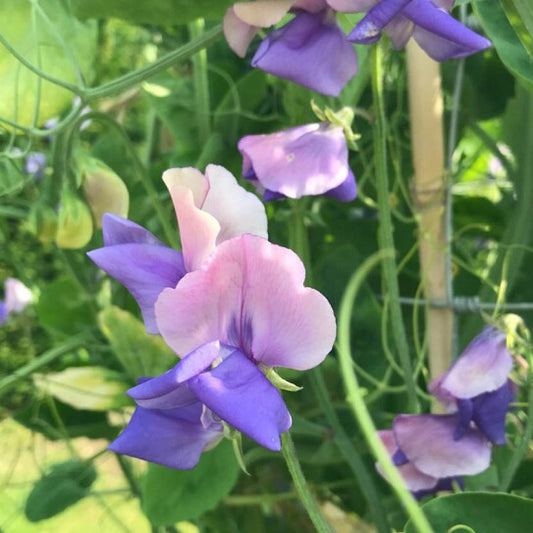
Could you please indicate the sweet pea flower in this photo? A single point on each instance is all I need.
(310, 50)
(16, 298)
(303, 161)
(427, 21)
(210, 209)
(35, 164)
(428, 456)
(243, 312)
(477, 385)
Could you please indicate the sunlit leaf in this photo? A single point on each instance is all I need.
(88, 387)
(140, 354)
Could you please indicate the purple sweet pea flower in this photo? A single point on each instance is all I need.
(35, 164)
(302, 161)
(427, 21)
(310, 50)
(210, 209)
(428, 456)
(477, 385)
(243, 310)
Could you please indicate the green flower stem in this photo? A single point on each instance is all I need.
(201, 83)
(137, 76)
(115, 86)
(356, 401)
(350, 453)
(385, 230)
(289, 453)
(30, 66)
(299, 242)
(43, 360)
(170, 233)
(521, 450)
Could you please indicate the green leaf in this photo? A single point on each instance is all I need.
(88, 387)
(64, 485)
(509, 47)
(520, 15)
(165, 12)
(139, 353)
(62, 308)
(484, 512)
(11, 179)
(169, 496)
(18, 89)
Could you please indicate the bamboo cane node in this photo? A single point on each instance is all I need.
(429, 195)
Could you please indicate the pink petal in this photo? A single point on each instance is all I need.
(198, 230)
(262, 13)
(428, 442)
(351, 6)
(236, 210)
(414, 479)
(238, 34)
(251, 296)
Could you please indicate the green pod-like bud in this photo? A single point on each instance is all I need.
(104, 190)
(42, 222)
(75, 223)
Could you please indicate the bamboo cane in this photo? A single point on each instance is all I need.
(429, 191)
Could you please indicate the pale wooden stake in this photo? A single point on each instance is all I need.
(429, 192)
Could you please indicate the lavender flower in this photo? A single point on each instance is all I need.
(477, 385)
(428, 456)
(301, 161)
(427, 21)
(210, 209)
(244, 311)
(16, 298)
(310, 50)
(35, 164)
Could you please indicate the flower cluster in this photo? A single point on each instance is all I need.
(313, 51)
(433, 451)
(231, 304)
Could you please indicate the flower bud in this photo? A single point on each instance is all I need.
(75, 224)
(42, 222)
(104, 191)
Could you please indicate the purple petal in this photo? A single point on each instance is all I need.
(346, 191)
(440, 35)
(429, 444)
(305, 160)
(311, 51)
(414, 479)
(118, 230)
(399, 30)
(171, 437)
(369, 29)
(483, 367)
(443, 484)
(144, 269)
(169, 389)
(239, 393)
(465, 410)
(490, 410)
